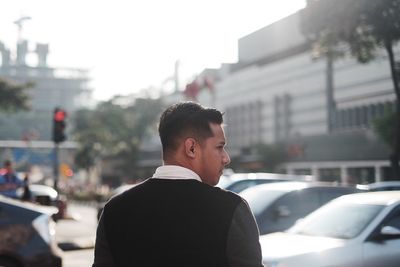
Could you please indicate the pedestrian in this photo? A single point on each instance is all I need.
(9, 182)
(27, 194)
(177, 217)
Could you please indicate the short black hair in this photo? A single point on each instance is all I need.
(186, 119)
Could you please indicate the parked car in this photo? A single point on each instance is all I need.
(120, 189)
(277, 206)
(358, 230)
(47, 196)
(238, 182)
(27, 235)
(381, 186)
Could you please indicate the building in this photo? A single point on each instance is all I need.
(25, 136)
(277, 93)
(67, 88)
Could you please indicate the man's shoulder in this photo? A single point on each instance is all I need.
(158, 188)
(227, 194)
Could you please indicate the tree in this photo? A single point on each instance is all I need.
(272, 155)
(13, 96)
(115, 132)
(384, 127)
(362, 28)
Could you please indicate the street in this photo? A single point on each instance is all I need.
(76, 235)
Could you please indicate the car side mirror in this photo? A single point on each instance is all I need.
(390, 231)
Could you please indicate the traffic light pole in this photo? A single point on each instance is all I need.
(59, 124)
(55, 166)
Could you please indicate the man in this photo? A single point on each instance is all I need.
(9, 182)
(177, 217)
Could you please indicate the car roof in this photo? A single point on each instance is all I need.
(292, 186)
(28, 205)
(266, 175)
(39, 189)
(374, 198)
(384, 184)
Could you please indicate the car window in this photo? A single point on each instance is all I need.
(299, 202)
(286, 210)
(327, 194)
(259, 200)
(394, 219)
(338, 220)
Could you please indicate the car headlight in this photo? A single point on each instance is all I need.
(45, 227)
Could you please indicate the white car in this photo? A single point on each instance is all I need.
(381, 186)
(357, 230)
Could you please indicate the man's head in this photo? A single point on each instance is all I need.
(192, 137)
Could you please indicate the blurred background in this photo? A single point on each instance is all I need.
(309, 89)
(303, 93)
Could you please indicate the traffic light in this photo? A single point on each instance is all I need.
(59, 125)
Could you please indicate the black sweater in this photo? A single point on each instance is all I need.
(170, 223)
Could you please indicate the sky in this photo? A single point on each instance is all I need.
(132, 45)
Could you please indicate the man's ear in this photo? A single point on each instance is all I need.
(190, 147)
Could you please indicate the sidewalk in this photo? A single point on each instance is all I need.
(78, 229)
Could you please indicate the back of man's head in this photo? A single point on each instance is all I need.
(183, 120)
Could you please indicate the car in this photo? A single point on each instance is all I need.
(27, 235)
(47, 196)
(357, 230)
(277, 206)
(238, 182)
(118, 190)
(381, 186)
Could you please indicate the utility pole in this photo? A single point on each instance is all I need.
(176, 76)
(20, 24)
(22, 45)
(59, 136)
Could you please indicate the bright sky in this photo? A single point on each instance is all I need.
(131, 45)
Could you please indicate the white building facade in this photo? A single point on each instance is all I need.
(278, 93)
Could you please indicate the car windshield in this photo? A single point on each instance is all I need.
(337, 220)
(259, 199)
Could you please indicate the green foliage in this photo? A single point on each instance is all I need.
(13, 97)
(385, 127)
(115, 132)
(355, 26)
(362, 28)
(272, 155)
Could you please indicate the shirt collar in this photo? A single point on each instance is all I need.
(174, 172)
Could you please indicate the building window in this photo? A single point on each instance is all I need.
(329, 175)
(302, 171)
(363, 175)
(364, 115)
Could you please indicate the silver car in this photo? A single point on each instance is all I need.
(277, 206)
(381, 186)
(358, 230)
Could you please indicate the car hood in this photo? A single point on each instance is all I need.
(49, 210)
(281, 245)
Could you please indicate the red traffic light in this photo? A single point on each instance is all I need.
(59, 125)
(59, 115)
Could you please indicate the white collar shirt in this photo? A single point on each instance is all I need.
(174, 172)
